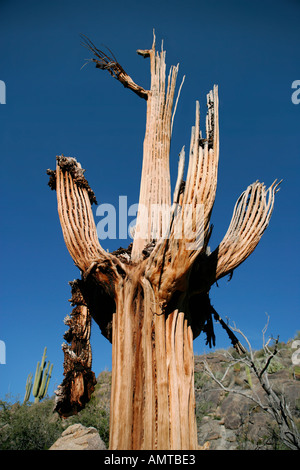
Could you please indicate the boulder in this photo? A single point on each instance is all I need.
(78, 437)
(234, 410)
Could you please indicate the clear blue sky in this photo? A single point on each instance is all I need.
(249, 48)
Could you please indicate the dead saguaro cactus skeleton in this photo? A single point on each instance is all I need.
(152, 299)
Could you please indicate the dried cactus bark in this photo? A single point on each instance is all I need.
(152, 300)
(79, 381)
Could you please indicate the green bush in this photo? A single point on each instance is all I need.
(34, 426)
(28, 427)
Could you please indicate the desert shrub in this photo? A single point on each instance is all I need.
(200, 379)
(202, 409)
(34, 426)
(28, 426)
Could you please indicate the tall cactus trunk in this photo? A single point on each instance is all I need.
(153, 300)
(152, 398)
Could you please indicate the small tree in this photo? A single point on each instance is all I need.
(152, 300)
(272, 402)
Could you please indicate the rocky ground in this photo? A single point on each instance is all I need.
(226, 420)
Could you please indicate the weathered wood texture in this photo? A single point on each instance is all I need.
(152, 373)
(155, 187)
(79, 382)
(152, 299)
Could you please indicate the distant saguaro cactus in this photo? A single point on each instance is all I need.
(28, 388)
(42, 378)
